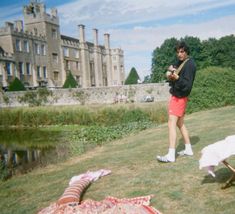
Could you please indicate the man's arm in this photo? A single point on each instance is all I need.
(186, 78)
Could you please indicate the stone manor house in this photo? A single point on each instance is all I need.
(36, 53)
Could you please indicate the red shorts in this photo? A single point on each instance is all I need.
(177, 106)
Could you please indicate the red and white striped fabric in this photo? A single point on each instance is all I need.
(73, 193)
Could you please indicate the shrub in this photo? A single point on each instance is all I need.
(70, 82)
(132, 78)
(81, 96)
(98, 135)
(213, 88)
(36, 98)
(16, 85)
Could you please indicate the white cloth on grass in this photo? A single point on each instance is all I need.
(214, 153)
(90, 175)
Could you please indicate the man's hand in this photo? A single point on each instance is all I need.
(171, 68)
(174, 76)
(171, 75)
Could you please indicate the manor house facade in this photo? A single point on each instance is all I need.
(36, 53)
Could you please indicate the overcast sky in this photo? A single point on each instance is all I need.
(137, 26)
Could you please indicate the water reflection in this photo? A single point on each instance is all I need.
(23, 149)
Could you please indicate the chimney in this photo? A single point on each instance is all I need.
(106, 41)
(19, 25)
(9, 25)
(82, 33)
(95, 33)
(54, 12)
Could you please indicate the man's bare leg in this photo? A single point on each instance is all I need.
(170, 156)
(184, 132)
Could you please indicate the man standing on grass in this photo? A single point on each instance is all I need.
(181, 77)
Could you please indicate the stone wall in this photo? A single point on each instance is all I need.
(100, 95)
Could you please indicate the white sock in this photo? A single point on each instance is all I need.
(171, 154)
(188, 148)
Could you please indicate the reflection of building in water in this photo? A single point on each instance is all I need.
(13, 158)
(39, 55)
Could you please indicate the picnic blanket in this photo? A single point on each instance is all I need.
(214, 153)
(70, 201)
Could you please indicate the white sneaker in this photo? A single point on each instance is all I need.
(164, 159)
(184, 152)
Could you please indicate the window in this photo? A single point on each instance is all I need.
(18, 45)
(35, 30)
(43, 50)
(21, 68)
(77, 65)
(66, 64)
(56, 75)
(115, 67)
(66, 51)
(76, 53)
(54, 34)
(15, 71)
(28, 68)
(44, 72)
(26, 46)
(78, 78)
(8, 68)
(55, 57)
(36, 48)
(38, 72)
(122, 70)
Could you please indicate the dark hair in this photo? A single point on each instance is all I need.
(182, 45)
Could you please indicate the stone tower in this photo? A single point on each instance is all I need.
(38, 22)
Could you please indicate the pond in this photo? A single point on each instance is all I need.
(23, 149)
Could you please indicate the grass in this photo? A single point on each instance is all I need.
(178, 188)
(83, 115)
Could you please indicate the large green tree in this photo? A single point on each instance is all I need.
(132, 78)
(195, 47)
(226, 52)
(161, 58)
(211, 52)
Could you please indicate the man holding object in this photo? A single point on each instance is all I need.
(181, 77)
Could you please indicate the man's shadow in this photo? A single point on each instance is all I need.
(193, 140)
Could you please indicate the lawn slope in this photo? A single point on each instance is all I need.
(178, 188)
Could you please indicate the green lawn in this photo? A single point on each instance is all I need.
(178, 187)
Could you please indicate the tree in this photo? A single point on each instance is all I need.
(208, 52)
(70, 82)
(16, 85)
(211, 52)
(147, 79)
(226, 52)
(161, 58)
(195, 47)
(132, 78)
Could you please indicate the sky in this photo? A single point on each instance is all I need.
(136, 26)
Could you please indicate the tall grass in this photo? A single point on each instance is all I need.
(80, 115)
